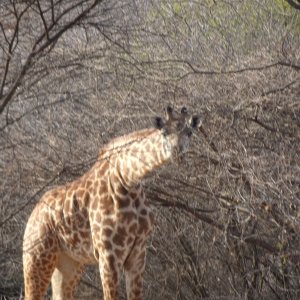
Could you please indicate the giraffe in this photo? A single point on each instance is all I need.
(102, 217)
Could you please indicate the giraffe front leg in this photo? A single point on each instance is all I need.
(110, 274)
(65, 277)
(134, 270)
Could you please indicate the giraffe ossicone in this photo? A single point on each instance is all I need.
(102, 217)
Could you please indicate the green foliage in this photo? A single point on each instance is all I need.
(289, 15)
(241, 23)
(283, 6)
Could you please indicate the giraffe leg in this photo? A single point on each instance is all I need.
(37, 274)
(110, 274)
(134, 270)
(65, 277)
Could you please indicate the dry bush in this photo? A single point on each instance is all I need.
(227, 219)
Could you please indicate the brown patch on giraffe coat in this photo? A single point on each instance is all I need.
(96, 184)
(93, 192)
(107, 205)
(115, 276)
(109, 269)
(133, 195)
(66, 229)
(107, 245)
(128, 262)
(137, 293)
(132, 228)
(75, 204)
(103, 188)
(107, 232)
(119, 237)
(88, 224)
(44, 261)
(119, 252)
(126, 217)
(144, 212)
(121, 230)
(54, 194)
(130, 240)
(143, 225)
(85, 212)
(79, 193)
(75, 239)
(80, 220)
(88, 184)
(86, 199)
(121, 190)
(103, 169)
(84, 234)
(137, 203)
(108, 222)
(111, 262)
(49, 242)
(122, 202)
(44, 255)
(68, 221)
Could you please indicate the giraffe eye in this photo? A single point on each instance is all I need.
(159, 123)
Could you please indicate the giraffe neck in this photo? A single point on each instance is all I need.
(133, 157)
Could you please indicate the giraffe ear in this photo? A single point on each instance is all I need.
(169, 109)
(159, 123)
(184, 110)
(195, 122)
(169, 113)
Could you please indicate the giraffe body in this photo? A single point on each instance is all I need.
(101, 218)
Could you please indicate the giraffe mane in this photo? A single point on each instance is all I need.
(118, 143)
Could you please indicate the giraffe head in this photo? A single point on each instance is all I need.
(177, 129)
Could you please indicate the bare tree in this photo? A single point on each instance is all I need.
(76, 73)
(51, 20)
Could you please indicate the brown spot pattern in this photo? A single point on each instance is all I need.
(106, 205)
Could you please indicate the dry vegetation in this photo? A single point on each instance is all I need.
(74, 74)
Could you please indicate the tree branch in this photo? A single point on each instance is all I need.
(35, 51)
(204, 218)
